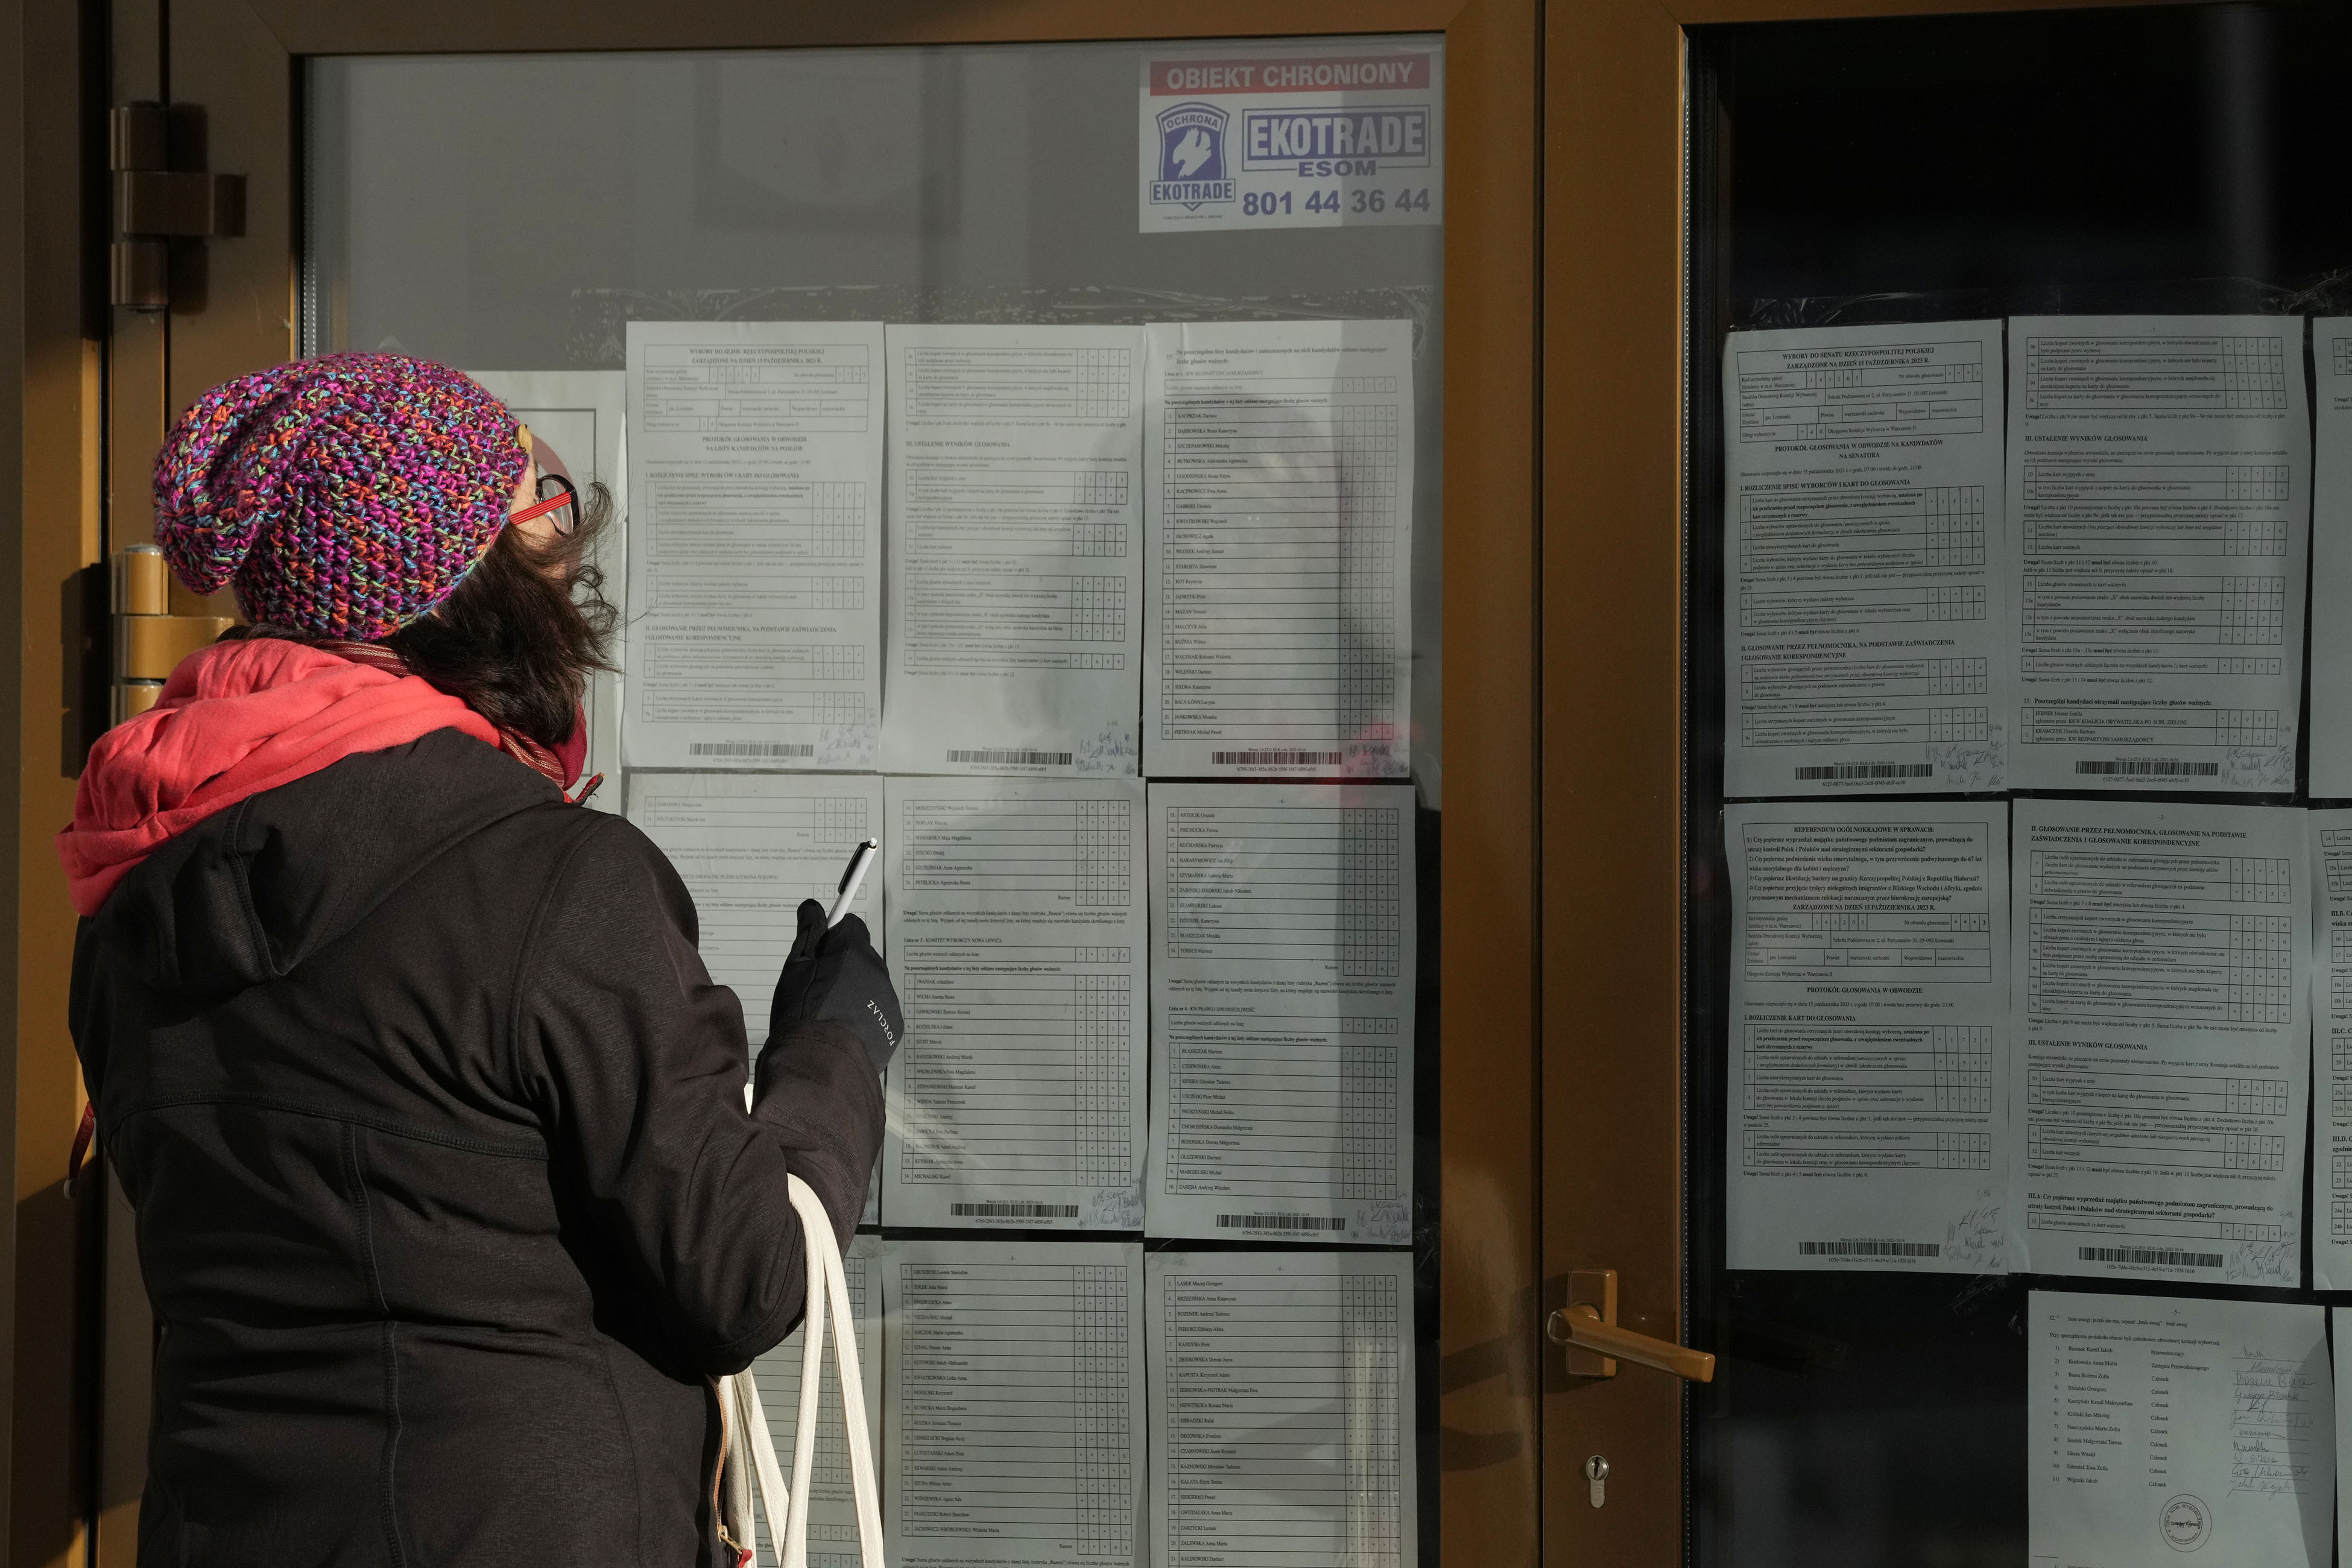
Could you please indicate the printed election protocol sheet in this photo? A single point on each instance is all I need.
(2164, 1430)
(1869, 1035)
(1865, 630)
(1282, 1003)
(1018, 937)
(2162, 1040)
(2159, 471)
(2331, 560)
(1016, 550)
(755, 550)
(1279, 465)
(1282, 1408)
(2340, 1324)
(1015, 1426)
(2331, 1020)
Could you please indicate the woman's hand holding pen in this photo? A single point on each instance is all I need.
(834, 976)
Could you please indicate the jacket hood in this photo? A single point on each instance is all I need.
(252, 891)
(235, 719)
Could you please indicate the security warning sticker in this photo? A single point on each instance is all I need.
(1308, 136)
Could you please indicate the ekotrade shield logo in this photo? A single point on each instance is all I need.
(1191, 157)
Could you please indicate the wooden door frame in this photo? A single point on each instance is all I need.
(237, 58)
(49, 474)
(1615, 380)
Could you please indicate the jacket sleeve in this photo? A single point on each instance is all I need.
(638, 1059)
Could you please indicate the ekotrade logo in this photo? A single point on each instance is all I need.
(1335, 141)
(1191, 157)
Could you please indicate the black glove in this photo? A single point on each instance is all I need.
(834, 976)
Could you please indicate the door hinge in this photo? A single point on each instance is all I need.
(156, 204)
(148, 638)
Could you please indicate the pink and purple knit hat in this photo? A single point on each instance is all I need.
(344, 496)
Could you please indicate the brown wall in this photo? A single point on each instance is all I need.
(12, 479)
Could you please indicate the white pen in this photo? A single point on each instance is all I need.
(860, 860)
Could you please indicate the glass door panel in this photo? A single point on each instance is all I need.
(1954, 659)
(1030, 457)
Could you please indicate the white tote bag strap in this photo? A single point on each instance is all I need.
(786, 1508)
(752, 1421)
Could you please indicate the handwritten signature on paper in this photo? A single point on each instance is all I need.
(2259, 767)
(845, 746)
(1116, 1208)
(2273, 1261)
(1975, 1238)
(1112, 752)
(1974, 764)
(2271, 1420)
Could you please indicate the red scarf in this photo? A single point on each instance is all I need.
(239, 718)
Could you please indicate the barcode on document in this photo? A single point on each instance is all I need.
(1279, 759)
(1005, 1210)
(1869, 771)
(2148, 768)
(1280, 1222)
(1870, 1248)
(750, 749)
(1000, 756)
(2149, 1255)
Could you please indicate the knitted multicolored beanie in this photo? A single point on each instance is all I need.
(344, 496)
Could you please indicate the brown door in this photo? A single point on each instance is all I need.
(1734, 167)
(258, 90)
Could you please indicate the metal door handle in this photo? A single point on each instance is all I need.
(1588, 1326)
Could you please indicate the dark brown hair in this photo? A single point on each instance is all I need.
(519, 639)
